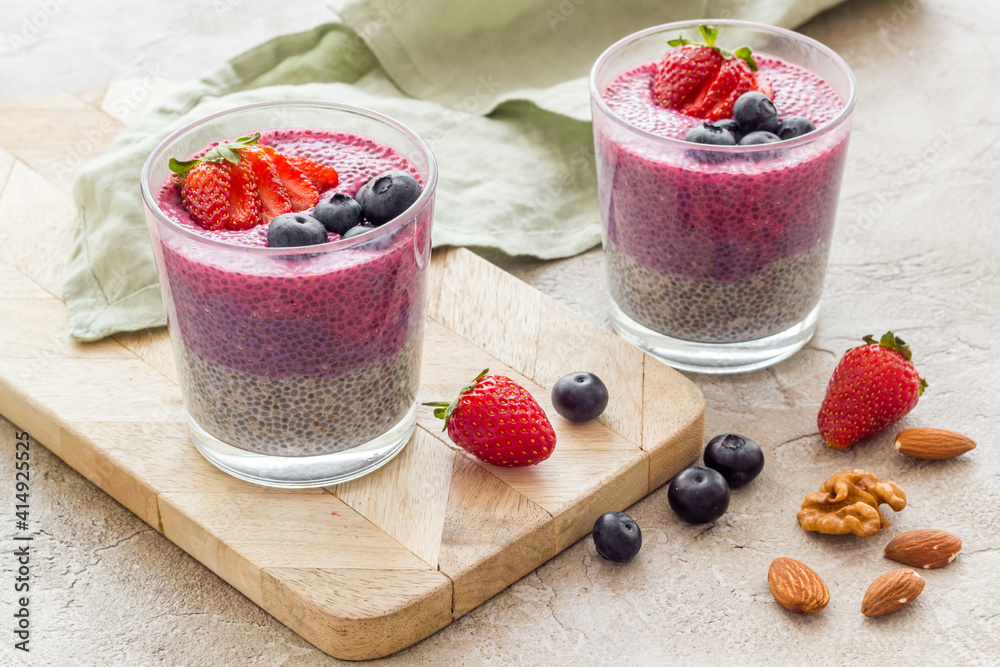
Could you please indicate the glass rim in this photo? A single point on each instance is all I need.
(842, 116)
(385, 229)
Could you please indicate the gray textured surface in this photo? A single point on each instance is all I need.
(915, 250)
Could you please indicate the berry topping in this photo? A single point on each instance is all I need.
(273, 195)
(321, 176)
(219, 190)
(301, 192)
(759, 137)
(698, 494)
(338, 213)
(731, 126)
(387, 195)
(498, 421)
(873, 386)
(710, 134)
(704, 80)
(617, 537)
(755, 111)
(241, 184)
(579, 397)
(795, 126)
(736, 458)
(291, 230)
(358, 230)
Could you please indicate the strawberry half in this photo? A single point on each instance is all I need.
(498, 421)
(873, 386)
(704, 80)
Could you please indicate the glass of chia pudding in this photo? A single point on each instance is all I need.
(299, 364)
(716, 253)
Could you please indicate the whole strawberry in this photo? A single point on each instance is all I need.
(498, 421)
(874, 386)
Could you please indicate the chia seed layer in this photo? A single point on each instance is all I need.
(298, 356)
(771, 300)
(719, 251)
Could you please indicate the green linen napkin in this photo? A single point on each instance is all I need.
(498, 90)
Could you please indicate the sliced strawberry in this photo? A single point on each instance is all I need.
(240, 184)
(301, 192)
(244, 202)
(703, 80)
(320, 175)
(205, 193)
(273, 195)
(683, 73)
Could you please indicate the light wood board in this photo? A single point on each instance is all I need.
(365, 568)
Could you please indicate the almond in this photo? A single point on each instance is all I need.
(796, 586)
(932, 443)
(927, 549)
(892, 591)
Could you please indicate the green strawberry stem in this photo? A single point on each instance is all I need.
(893, 342)
(229, 152)
(443, 409)
(710, 34)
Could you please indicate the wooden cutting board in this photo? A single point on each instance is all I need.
(361, 569)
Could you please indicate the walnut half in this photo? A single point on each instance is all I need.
(848, 503)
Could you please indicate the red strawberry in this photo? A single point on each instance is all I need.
(240, 184)
(874, 386)
(244, 201)
(320, 175)
(205, 193)
(498, 421)
(273, 196)
(703, 80)
(301, 192)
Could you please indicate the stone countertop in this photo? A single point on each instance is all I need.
(915, 251)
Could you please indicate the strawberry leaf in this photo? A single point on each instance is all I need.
(891, 341)
(443, 410)
(746, 55)
(228, 154)
(923, 385)
(182, 168)
(680, 41)
(709, 34)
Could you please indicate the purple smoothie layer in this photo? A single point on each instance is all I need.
(299, 355)
(722, 250)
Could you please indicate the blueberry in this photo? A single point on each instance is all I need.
(712, 136)
(736, 458)
(759, 137)
(357, 231)
(290, 230)
(579, 397)
(617, 537)
(338, 213)
(795, 126)
(754, 111)
(731, 126)
(387, 195)
(698, 494)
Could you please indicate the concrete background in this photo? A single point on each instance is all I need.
(915, 251)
